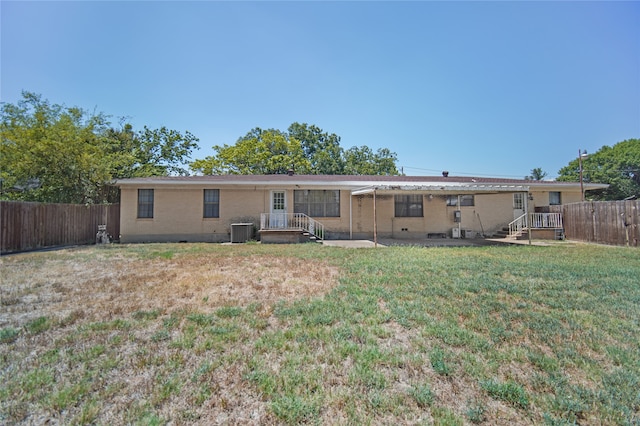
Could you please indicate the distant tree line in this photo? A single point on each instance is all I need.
(303, 148)
(57, 154)
(53, 153)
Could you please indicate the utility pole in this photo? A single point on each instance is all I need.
(581, 154)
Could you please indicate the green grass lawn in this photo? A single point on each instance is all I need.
(407, 335)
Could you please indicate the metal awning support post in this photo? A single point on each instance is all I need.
(375, 223)
(526, 212)
(351, 217)
(459, 207)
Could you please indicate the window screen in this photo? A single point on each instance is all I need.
(554, 198)
(317, 203)
(211, 203)
(145, 203)
(408, 205)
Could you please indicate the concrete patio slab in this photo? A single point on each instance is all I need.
(351, 243)
(433, 242)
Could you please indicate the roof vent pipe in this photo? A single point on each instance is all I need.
(445, 173)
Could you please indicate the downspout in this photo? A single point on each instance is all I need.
(526, 212)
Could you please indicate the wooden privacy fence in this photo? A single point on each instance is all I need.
(28, 226)
(603, 222)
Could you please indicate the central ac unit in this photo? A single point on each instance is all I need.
(241, 232)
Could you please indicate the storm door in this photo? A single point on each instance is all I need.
(278, 216)
(518, 204)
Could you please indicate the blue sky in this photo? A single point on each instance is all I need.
(476, 88)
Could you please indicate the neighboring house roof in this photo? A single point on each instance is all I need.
(363, 183)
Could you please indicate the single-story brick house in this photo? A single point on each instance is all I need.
(206, 208)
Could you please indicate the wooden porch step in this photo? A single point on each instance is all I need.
(503, 233)
(312, 238)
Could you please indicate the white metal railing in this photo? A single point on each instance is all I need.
(518, 225)
(546, 220)
(292, 221)
(535, 221)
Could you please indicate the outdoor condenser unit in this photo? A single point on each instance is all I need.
(241, 232)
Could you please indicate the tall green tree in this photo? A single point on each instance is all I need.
(304, 148)
(52, 153)
(322, 149)
(536, 174)
(258, 152)
(618, 166)
(363, 161)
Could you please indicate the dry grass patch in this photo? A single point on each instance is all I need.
(252, 334)
(98, 287)
(142, 334)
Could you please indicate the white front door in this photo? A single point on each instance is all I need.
(278, 216)
(518, 204)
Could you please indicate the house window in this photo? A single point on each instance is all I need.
(465, 200)
(518, 201)
(211, 203)
(408, 205)
(554, 198)
(317, 203)
(145, 203)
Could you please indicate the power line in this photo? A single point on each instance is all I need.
(516, 176)
(463, 173)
